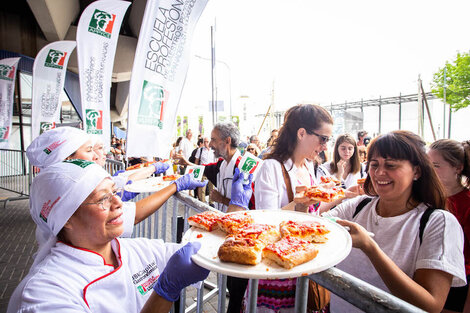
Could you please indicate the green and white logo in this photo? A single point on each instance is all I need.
(94, 121)
(55, 59)
(102, 23)
(4, 132)
(7, 72)
(249, 166)
(45, 126)
(81, 163)
(152, 104)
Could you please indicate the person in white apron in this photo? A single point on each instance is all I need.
(84, 267)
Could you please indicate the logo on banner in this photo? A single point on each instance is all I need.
(55, 59)
(45, 126)
(249, 166)
(152, 103)
(4, 132)
(94, 121)
(102, 23)
(7, 72)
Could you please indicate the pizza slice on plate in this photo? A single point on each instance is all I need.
(311, 231)
(206, 220)
(264, 232)
(290, 251)
(232, 222)
(241, 250)
(171, 177)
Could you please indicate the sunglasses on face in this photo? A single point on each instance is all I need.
(323, 139)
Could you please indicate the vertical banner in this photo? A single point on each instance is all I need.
(49, 69)
(97, 35)
(178, 125)
(160, 66)
(201, 124)
(7, 95)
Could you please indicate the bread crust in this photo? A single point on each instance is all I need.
(241, 250)
(290, 251)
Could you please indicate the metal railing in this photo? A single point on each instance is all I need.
(171, 220)
(14, 174)
(112, 166)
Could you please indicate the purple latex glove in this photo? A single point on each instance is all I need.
(127, 195)
(160, 167)
(241, 193)
(180, 272)
(118, 172)
(187, 182)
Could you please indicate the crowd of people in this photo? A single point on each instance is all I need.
(415, 200)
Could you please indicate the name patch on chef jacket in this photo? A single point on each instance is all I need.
(146, 278)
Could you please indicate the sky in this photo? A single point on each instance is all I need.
(322, 51)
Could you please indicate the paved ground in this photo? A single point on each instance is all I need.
(17, 246)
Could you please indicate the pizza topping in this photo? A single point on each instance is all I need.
(306, 226)
(287, 245)
(199, 236)
(254, 229)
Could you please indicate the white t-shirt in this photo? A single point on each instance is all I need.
(351, 179)
(224, 180)
(398, 237)
(205, 155)
(186, 147)
(270, 188)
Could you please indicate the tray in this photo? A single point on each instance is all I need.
(332, 252)
(151, 184)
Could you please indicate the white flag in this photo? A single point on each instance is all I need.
(49, 70)
(7, 92)
(160, 66)
(97, 35)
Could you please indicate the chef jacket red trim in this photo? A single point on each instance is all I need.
(99, 278)
(83, 249)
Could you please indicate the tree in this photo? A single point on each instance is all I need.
(457, 82)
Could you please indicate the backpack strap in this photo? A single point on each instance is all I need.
(423, 221)
(361, 205)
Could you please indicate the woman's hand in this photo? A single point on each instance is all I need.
(181, 160)
(353, 191)
(359, 235)
(341, 168)
(301, 201)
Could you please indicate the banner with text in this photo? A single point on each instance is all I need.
(97, 35)
(160, 66)
(7, 93)
(49, 70)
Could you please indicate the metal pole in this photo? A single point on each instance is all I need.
(212, 75)
(380, 114)
(301, 294)
(399, 112)
(253, 296)
(20, 116)
(444, 104)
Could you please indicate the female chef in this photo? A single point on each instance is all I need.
(63, 143)
(84, 267)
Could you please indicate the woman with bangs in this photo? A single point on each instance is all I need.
(415, 263)
(345, 165)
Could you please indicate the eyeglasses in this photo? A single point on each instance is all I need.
(250, 149)
(323, 139)
(107, 200)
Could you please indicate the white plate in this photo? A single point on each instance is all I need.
(330, 253)
(151, 184)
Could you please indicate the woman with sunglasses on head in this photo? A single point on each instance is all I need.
(416, 252)
(346, 165)
(84, 266)
(451, 160)
(253, 149)
(305, 133)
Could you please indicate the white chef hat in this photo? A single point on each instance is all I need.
(58, 191)
(55, 145)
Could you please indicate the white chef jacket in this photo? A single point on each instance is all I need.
(270, 188)
(71, 279)
(224, 179)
